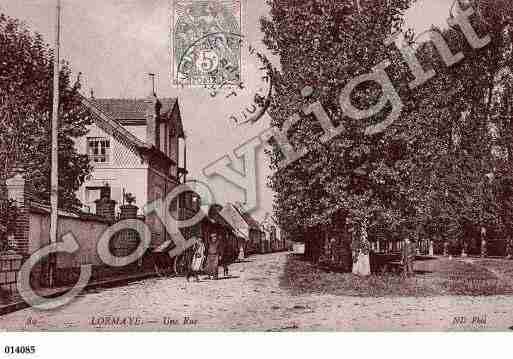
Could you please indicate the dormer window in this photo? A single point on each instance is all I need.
(98, 149)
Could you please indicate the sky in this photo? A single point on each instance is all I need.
(116, 43)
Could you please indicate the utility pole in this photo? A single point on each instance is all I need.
(54, 177)
(152, 76)
(184, 159)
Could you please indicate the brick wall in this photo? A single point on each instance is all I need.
(17, 191)
(10, 264)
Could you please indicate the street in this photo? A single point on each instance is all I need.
(253, 299)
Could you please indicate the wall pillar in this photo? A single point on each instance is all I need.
(105, 206)
(128, 211)
(17, 192)
(10, 264)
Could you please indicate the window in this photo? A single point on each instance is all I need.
(98, 149)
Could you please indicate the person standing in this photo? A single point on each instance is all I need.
(361, 253)
(355, 250)
(408, 255)
(364, 259)
(197, 261)
(225, 256)
(213, 256)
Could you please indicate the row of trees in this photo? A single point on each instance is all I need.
(442, 168)
(26, 87)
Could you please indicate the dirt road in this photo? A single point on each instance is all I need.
(253, 299)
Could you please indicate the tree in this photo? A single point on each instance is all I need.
(436, 163)
(26, 87)
(468, 179)
(324, 44)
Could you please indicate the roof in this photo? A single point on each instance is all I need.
(131, 109)
(134, 111)
(233, 216)
(109, 124)
(214, 214)
(111, 116)
(252, 223)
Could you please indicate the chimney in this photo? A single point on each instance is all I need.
(152, 117)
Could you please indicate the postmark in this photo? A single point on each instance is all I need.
(206, 47)
(248, 96)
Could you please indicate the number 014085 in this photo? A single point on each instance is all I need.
(22, 349)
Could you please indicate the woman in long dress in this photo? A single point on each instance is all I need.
(213, 256)
(197, 261)
(363, 264)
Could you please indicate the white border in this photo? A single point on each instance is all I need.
(259, 345)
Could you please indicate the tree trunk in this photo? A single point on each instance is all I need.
(317, 242)
(308, 246)
(363, 262)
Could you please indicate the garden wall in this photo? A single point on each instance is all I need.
(31, 233)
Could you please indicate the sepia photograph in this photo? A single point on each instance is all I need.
(265, 166)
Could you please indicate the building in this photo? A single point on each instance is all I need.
(135, 146)
(273, 237)
(255, 234)
(233, 215)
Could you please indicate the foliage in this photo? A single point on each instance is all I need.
(8, 215)
(26, 87)
(324, 44)
(440, 168)
(464, 182)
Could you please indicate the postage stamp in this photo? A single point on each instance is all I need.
(206, 42)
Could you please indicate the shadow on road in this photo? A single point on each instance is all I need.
(229, 277)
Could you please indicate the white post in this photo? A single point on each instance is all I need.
(54, 178)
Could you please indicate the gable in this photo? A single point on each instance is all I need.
(236, 221)
(119, 154)
(110, 126)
